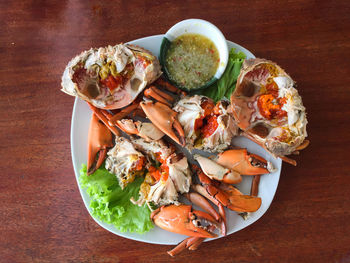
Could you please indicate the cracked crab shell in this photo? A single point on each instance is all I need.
(110, 77)
(268, 108)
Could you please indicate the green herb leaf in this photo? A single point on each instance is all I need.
(227, 83)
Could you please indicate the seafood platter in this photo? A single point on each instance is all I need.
(179, 138)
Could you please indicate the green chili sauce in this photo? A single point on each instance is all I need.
(192, 60)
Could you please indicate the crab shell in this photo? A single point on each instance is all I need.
(81, 76)
(271, 134)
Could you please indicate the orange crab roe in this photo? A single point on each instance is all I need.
(210, 127)
(140, 163)
(270, 106)
(112, 82)
(207, 123)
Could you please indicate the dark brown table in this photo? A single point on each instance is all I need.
(42, 216)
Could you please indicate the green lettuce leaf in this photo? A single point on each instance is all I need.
(227, 83)
(112, 205)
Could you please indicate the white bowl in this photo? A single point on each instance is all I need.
(201, 27)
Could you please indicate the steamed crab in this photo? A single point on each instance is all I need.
(268, 108)
(265, 107)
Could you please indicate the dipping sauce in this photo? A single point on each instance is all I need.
(192, 60)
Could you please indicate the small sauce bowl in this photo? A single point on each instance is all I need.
(201, 27)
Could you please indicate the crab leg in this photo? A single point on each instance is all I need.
(283, 158)
(213, 198)
(223, 217)
(254, 190)
(103, 118)
(192, 243)
(226, 195)
(99, 139)
(182, 245)
(124, 112)
(159, 95)
(165, 119)
(288, 160)
(164, 84)
(303, 145)
(196, 243)
(199, 200)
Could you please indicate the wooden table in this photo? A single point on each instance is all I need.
(42, 216)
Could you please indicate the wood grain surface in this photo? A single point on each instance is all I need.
(42, 216)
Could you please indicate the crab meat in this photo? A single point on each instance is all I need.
(150, 149)
(110, 77)
(124, 161)
(162, 193)
(206, 126)
(175, 175)
(268, 108)
(179, 172)
(226, 130)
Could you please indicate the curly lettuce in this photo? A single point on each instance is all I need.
(112, 205)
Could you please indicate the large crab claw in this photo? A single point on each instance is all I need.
(182, 219)
(99, 139)
(244, 162)
(217, 172)
(224, 194)
(165, 119)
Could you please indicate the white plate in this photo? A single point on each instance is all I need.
(268, 183)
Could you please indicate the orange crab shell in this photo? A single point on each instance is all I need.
(178, 219)
(280, 135)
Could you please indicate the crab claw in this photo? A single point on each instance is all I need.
(244, 162)
(99, 139)
(238, 201)
(165, 119)
(222, 194)
(217, 172)
(145, 130)
(182, 219)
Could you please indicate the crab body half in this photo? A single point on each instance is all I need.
(268, 108)
(110, 77)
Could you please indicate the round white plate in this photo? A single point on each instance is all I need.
(268, 183)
